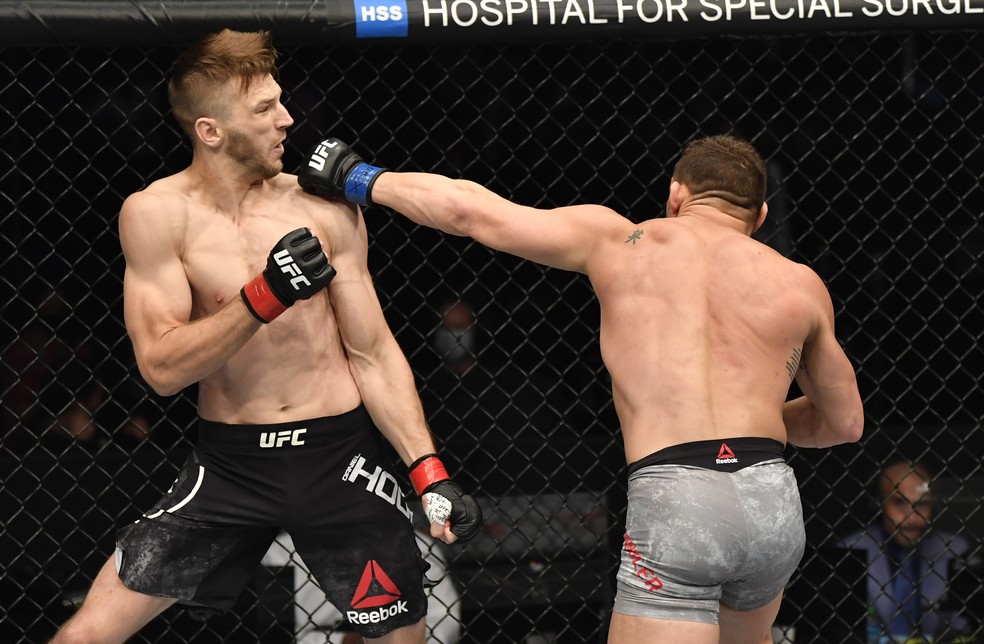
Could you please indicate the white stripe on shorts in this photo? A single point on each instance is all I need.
(184, 501)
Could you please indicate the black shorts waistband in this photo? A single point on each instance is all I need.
(722, 455)
(315, 432)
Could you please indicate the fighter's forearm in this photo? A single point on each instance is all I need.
(806, 426)
(802, 422)
(431, 200)
(389, 393)
(190, 352)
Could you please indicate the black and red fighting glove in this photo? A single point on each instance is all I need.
(446, 499)
(296, 269)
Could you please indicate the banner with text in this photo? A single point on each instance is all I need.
(121, 22)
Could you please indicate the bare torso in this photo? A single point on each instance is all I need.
(294, 368)
(701, 331)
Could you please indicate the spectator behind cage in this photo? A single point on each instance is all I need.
(49, 390)
(909, 561)
(455, 339)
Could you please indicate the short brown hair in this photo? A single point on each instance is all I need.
(724, 167)
(213, 61)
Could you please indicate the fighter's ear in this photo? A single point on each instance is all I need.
(678, 194)
(207, 130)
(763, 212)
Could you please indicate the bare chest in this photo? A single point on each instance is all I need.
(223, 252)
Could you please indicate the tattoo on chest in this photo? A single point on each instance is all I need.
(795, 362)
(635, 236)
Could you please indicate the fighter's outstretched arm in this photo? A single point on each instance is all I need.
(559, 237)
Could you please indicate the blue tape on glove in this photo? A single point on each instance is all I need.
(358, 182)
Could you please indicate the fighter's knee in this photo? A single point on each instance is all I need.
(76, 631)
(67, 635)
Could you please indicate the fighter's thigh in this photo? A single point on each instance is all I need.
(203, 539)
(679, 546)
(777, 538)
(749, 626)
(412, 634)
(632, 629)
(365, 557)
(374, 576)
(111, 612)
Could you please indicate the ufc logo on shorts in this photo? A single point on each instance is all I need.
(317, 160)
(288, 266)
(283, 437)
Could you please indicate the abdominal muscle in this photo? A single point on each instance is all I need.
(294, 368)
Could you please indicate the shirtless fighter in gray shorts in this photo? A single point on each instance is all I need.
(703, 329)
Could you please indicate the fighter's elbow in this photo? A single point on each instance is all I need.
(462, 216)
(852, 428)
(164, 387)
(168, 390)
(159, 380)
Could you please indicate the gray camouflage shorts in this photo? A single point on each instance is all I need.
(697, 538)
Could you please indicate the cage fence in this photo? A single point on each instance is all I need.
(873, 143)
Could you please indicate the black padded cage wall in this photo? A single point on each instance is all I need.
(872, 127)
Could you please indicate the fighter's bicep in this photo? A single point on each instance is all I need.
(560, 237)
(154, 303)
(156, 293)
(825, 373)
(356, 306)
(360, 319)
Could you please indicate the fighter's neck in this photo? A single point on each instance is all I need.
(225, 186)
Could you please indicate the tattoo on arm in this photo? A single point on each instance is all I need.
(635, 236)
(795, 362)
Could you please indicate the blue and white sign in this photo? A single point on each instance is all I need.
(381, 18)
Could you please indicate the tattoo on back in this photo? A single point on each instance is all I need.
(635, 236)
(795, 362)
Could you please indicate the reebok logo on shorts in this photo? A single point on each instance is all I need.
(725, 455)
(375, 590)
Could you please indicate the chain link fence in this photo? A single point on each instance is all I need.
(874, 144)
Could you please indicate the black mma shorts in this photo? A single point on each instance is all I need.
(325, 481)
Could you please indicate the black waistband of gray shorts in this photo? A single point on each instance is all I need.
(722, 455)
(313, 432)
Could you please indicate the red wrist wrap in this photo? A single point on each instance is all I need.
(261, 301)
(428, 471)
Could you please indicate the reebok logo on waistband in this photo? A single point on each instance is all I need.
(725, 455)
